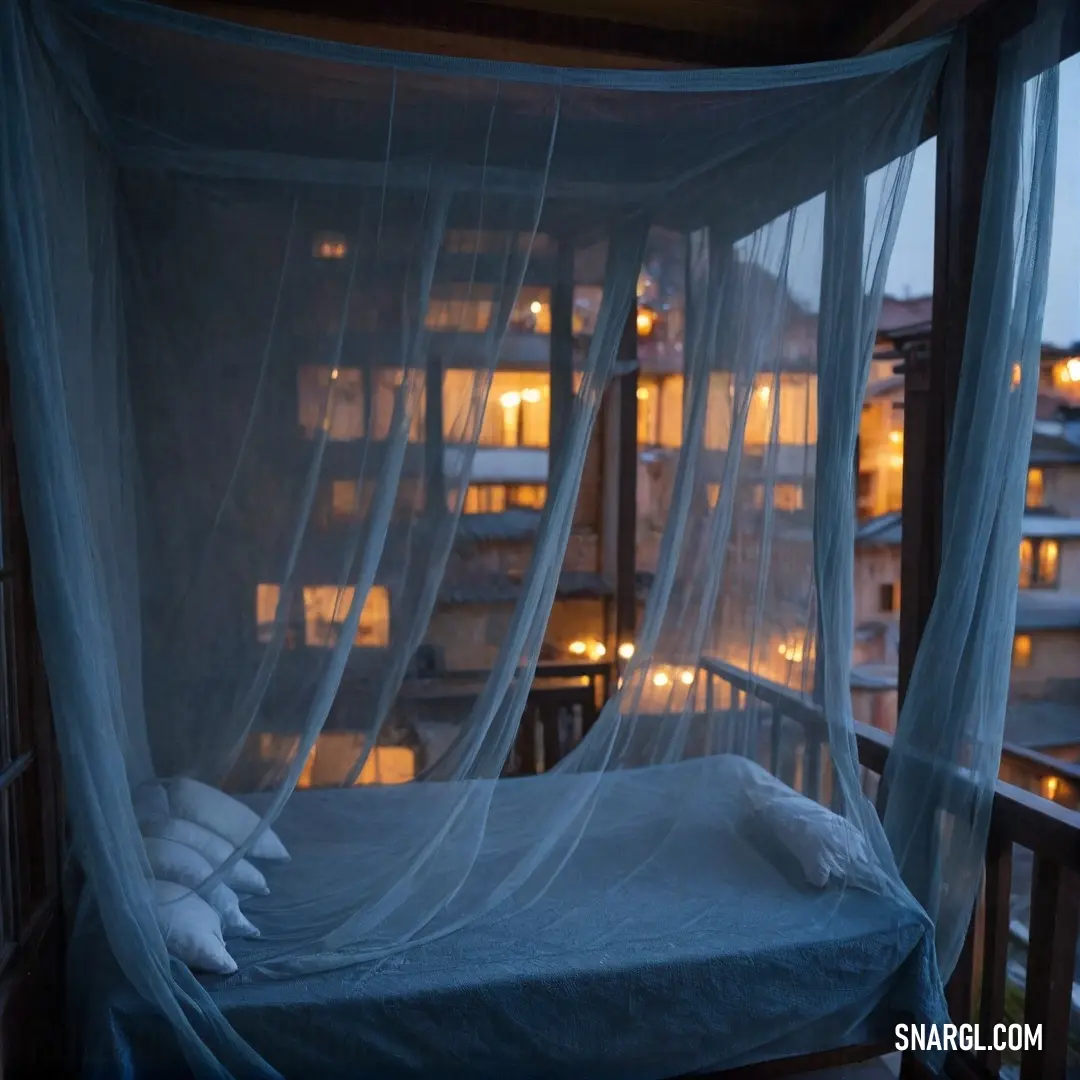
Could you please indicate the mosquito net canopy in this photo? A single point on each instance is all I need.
(344, 383)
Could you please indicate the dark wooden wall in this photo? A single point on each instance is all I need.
(32, 1039)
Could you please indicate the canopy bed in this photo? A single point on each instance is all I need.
(243, 271)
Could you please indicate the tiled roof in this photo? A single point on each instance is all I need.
(887, 529)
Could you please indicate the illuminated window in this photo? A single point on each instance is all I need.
(1046, 563)
(1027, 563)
(712, 495)
(797, 411)
(467, 308)
(518, 411)
(1066, 373)
(334, 400)
(1038, 563)
(660, 411)
(266, 605)
(471, 308)
(331, 400)
(343, 501)
(1036, 488)
(797, 420)
(1021, 654)
(532, 312)
(496, 498)
(326, 607)
(670, 430)
(787, 497)
(334, 756)
(718, 412)
(388, 386)
(337, 753)
(329, 246)
(528, 496)
(648, 414)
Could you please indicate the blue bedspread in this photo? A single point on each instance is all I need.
(674, 943)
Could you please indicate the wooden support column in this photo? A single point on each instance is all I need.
(626, 485)
(931, 381)
(562, 343)
(434, 477)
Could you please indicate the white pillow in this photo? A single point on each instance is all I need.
(175, 862)
(192, 929)
(222, 814)
(243, 877)
(826, 845)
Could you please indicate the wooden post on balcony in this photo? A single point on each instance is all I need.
(562, 344)
(965, 119)
(931, 385)
(435, 493)
(626, 484)
(931, 382)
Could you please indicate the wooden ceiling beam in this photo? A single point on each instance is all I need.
(903, 21)
(899, 22)
(487, 30)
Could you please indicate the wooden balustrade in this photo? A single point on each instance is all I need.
(979, 989)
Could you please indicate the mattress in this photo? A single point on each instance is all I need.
(674, 941)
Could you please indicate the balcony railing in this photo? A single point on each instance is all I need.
(1017, 965)
(992, 983)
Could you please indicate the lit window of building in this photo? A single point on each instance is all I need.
(344, 501)
(1021, 654)
(267, 598)
(497, 498)
(660, 411)
(470, 308)
(517, 412)
(467, 308)
(1066, 374)
(1039, 561)
(335, 755)
(796, 411)
(328, 245)
(787, 497)
(1036, 488)
(333, 399)
(325, 609)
